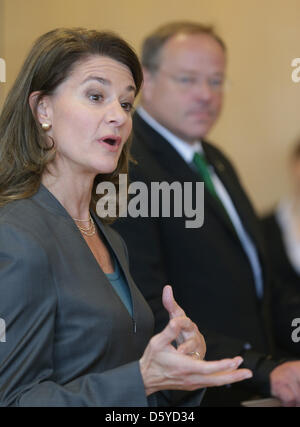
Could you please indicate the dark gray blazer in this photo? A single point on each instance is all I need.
(70, 341)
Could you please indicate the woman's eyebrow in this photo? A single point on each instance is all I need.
(101, 80)
(107, 82)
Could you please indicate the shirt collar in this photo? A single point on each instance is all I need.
(185, 150)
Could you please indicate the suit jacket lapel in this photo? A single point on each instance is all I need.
(241, 203)
(165, 154)
(174, 164)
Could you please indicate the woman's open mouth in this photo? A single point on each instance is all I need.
(111, 142)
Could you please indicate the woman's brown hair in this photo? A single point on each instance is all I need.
(24, 147)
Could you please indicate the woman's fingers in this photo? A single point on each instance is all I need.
(170, 304)
(223, 378)
(193, 345)
(213, 374)
(218, 366)
(172, 331)
(184, 331)
(175, 311)
(175, 368)
(163, 367)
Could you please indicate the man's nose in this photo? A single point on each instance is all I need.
(203, 90)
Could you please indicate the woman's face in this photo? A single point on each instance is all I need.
(90, 114)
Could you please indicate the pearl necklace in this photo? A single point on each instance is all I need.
(90, 230)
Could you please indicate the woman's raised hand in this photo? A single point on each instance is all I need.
(163, 367)
(189, 340)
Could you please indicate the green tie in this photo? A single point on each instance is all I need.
(202, 167)
(201, 164)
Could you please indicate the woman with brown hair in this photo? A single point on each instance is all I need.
(78, 332)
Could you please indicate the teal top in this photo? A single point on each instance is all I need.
(120, 285)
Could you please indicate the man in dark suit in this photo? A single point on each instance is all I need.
(217, 271)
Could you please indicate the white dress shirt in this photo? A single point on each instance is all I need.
(290, 234)
(187, 151)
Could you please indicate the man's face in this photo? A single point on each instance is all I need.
(185, 94)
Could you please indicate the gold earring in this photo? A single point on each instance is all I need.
(46, 126)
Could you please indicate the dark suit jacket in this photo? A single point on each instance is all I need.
(287, 284)
(70, 341)
(277, 252)
(207, 267)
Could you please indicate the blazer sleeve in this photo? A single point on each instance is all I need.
(28, 305)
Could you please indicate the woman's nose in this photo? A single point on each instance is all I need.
(116, 114)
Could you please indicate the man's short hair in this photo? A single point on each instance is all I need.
(153, 44)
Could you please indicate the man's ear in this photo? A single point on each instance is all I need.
(40, 107)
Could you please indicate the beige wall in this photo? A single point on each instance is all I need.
(2, 53)
(262, 109)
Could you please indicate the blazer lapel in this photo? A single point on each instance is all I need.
(113, 245)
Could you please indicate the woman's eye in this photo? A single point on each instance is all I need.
(127, 106)
(95, 98)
